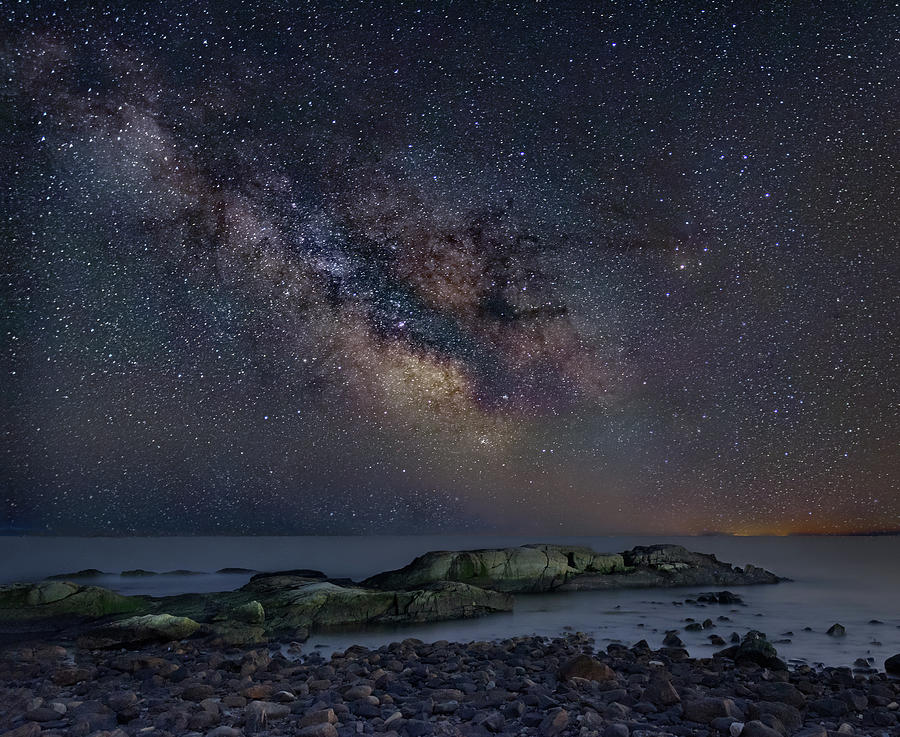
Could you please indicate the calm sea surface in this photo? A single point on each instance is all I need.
(850, 580)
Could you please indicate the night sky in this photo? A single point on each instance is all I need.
(325, 267)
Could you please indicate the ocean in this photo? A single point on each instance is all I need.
(854, 581)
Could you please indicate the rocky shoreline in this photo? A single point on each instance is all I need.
(289, 605)
(89, 662)
(558, 687)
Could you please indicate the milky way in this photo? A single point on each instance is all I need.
(581, 268)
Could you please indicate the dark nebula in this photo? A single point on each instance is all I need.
(341, 267)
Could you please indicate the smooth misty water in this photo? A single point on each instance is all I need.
(850, 580)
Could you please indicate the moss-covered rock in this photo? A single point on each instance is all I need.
(534, 568)
(135, 631)
(528, 568)
(49, 599)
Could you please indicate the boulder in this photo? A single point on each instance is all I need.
(584, 666)
(661, 693)
(783, 692)
(754, 648)
(706, 709)
(788, 715)
(136, 631)
(892, 665)
(250, 613)
(756, 728)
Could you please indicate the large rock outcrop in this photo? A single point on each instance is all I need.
(530, 568)
(272, 605)
(536, 568)
(62, 599)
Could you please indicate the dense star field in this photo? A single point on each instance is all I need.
(346, 267)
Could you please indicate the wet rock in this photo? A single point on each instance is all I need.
(259, 713)
(197, 692)
(616, 730)
(783, 692)
(720, 597)
(357, 692)
(815, 730)
(855, 700)
(837, 630)
(892, 665)
(318, 716)
(322, 729)
(554, 723)
(29, 729)
(258, 692)
(828, 706)
(788, 715)
(70, 676)
(661, 692)
(42, 714)
(754, 648)
(672, 640)
(756, 728)
(706, 709)
(225, 731)
(584, 666)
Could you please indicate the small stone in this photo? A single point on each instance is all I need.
(829, 706)
(257, 691)
(121, 701)
(616, 730)
(29, 729)
(837, 630)
(672, 640)
(661, 692)
(705, 710)
(259, 713)
(323, 729)
(584, 666)
(816, 730)
(845, 728)
(319, 716)
(71, 676)
(758, 729)
(735, 729)
(554, 723)
(197, 692)
(417, 728)
(357, 692)
(225, 731)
